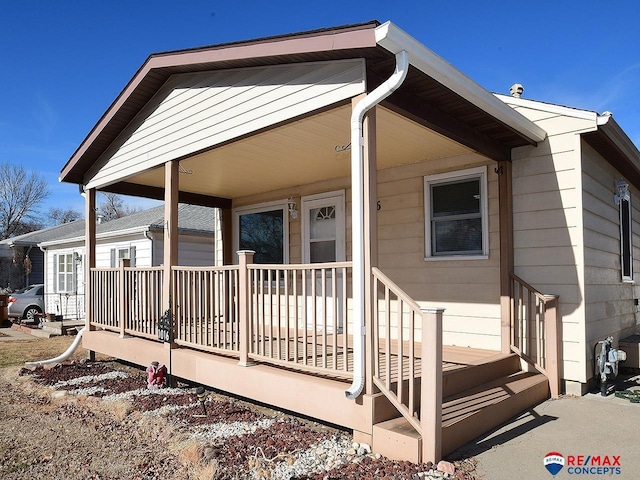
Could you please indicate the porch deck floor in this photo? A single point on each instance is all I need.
(303, 354)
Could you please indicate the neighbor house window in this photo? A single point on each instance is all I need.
(123, 253)
(456, 222)
(623, 199)
(263, 230)
(65, 273)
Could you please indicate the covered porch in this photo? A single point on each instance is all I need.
(305, 125)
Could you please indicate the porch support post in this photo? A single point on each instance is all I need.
(122, 295)
(431, 385)
(370, 237)
(505, 201)
(245, 257)
(171, 189)
(90, 258)
(553, 342)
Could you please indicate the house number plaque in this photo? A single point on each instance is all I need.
(164, 327)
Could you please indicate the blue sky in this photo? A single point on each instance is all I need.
(62, 63)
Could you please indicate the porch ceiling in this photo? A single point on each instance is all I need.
(299, 153)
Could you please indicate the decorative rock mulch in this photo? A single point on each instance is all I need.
(243, 441)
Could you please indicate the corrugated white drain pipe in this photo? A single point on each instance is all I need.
(64, 356)
(357, 215)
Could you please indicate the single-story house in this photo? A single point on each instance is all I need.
(404, 253)
(138, 238)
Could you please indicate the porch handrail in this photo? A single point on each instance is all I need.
(142, 293)
(423, 408)
(105, 292)
(205, 305)
(298, 316)
(535, 331)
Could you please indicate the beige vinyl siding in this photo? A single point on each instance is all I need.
(548, 223)
(610, 308)
(193, 112)
(467, 289)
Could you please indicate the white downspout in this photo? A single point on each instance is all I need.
(357, 214)
(60, 358)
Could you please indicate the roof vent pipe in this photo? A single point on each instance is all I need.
(516, 90)
(357, 214)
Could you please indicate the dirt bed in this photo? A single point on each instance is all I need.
(98, 420)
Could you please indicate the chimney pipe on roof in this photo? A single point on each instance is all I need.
(516, 90)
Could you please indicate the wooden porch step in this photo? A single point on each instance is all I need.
(458, 380)
(476, 411)
(465, 415)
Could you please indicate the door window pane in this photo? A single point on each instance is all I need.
(263, 232)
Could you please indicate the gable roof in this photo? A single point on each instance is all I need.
(191, 219)
(607, 137)
(434, 93)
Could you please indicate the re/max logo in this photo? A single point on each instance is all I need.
(594, 460)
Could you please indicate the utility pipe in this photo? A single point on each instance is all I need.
(357, 214)
(60, 358)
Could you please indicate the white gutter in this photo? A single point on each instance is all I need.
(357, 214)
(395, 40)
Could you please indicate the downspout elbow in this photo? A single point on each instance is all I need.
(357, 206)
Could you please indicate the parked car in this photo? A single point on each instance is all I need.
(27, 302)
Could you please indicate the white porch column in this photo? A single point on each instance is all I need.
(170, 231)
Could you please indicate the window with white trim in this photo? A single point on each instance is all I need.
(456, 214)
(623, 199)
(65, 273)
(263, 229)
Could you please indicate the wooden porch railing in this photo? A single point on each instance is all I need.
(299, 316)
(142, 301)
(205, 301)
(401, 357)
(534, 330)
(105, 298)
(126, 299)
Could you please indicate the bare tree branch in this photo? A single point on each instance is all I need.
(58, 216)
(20, 195)
(113, 207)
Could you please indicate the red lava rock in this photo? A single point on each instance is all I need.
(235, 455)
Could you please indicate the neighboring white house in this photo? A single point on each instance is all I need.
(137, 237)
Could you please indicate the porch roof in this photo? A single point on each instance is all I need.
(435, 96)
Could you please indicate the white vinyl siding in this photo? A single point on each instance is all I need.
(196, 111)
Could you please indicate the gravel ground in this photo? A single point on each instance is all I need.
(98, 421)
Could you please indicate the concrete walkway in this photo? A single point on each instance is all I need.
(579, 428)
(9, 333)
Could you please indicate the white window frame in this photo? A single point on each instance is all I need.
(259, 208)
(460, 175)
(69, 277)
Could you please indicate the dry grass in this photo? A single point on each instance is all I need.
(14, 353)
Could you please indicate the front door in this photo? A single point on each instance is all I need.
(323, 232)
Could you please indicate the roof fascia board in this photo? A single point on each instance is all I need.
(100, 236)
(395, 40)
(619, 138)
(322, 41)
(548, 107)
